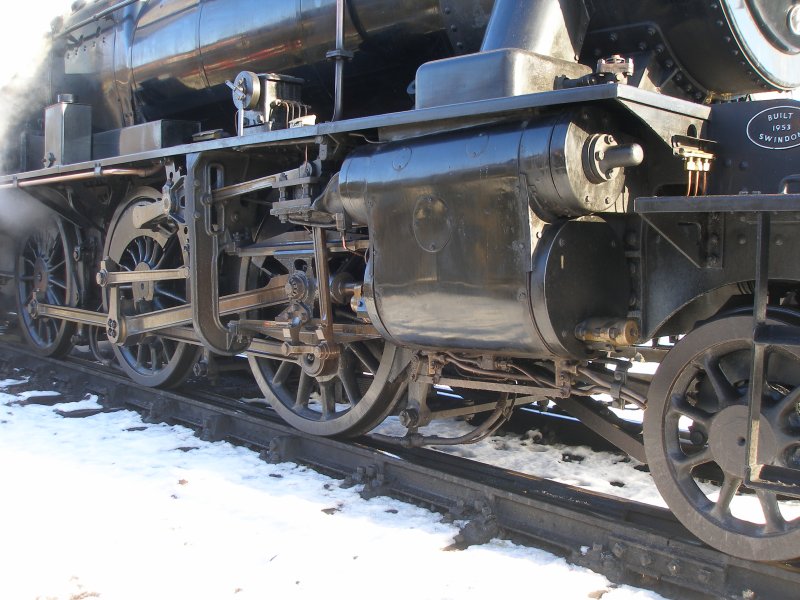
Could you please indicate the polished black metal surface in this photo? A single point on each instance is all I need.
(570, 191)
(165, 58)
(746, 46)
(453, 236)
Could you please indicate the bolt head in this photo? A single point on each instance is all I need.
(409, 417)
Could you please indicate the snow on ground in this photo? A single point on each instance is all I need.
(605, 472)
(111, 507)
(580, 466)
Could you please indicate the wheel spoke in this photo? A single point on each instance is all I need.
(281, 373)
(52, 330)
(726, 393)
(687, 463)
(327, 399)
(52, 246)
(164, 253)
(682, 407)
(172, 295)
(52, 298)
(149, 246)
(170, 347)
(303, 391)
(350, 385)
(264, 270)
(365, 356)
(164, 354)
(58, 283)
(722, 508)
(129, 252)
(774, 521)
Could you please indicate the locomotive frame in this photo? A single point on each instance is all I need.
(512, 248)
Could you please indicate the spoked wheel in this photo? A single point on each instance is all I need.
(152, 360)
(348, 398)
(355, 398)
(695, 432)
(44, 274)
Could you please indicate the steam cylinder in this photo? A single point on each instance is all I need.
(461, 240)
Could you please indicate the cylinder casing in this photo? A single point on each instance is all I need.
(456, 229)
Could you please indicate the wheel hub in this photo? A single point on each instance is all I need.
(320, 368)
(727, 440)
(41, 278)
(143, 290)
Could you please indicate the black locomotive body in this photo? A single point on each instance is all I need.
(376, 201)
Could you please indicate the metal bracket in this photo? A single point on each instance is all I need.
(480, 529)
(779, 479)
(698, 236)
(204, 240)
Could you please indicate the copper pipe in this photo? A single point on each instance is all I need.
(83, 175)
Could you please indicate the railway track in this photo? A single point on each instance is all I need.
(628, 542)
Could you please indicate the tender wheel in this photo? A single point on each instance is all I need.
(153, 361)
(349, 397)
(695, 432)
(45, 274)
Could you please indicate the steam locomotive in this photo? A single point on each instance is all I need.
(437, 208)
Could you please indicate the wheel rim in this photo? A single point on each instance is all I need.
(152, 360)
(695, 430)
(44, 273)
(353, 397)
(349, 402)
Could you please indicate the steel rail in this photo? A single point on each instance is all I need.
(626, 541)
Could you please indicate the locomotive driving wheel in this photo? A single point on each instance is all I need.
(44, 274)
(152, 360)
(351, 395)
(695, 432)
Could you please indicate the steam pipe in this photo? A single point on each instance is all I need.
(337, 103)
(96, 17)
(339, 55)
(83, 175)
